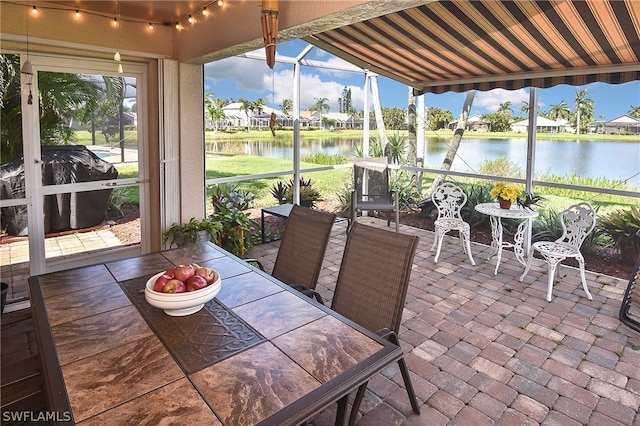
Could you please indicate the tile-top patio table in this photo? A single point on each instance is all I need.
(522, 237)
(281, 210)
(258, 353)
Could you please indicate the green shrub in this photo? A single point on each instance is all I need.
(325, 159)
(500, 167)
(375, 148)
(622, 226)
(117, 198)
(343, 197)
(283, 192)
(476, 194)
(231, 196)
(237, 231)
(407, 195)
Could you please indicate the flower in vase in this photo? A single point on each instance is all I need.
(506, 191)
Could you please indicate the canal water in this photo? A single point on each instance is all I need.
(613, 160)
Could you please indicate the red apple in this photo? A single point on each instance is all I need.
(196, 282)
(171, 272)
(208, 274)
(161, 281)
(174, 286)
(184, 272)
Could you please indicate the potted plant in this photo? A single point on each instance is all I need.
(235, 230)
(506, 194)
(193, 231)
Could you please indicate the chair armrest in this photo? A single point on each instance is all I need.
(257, 262)
(307, 292)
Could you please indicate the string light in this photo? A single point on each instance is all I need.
(205, 11)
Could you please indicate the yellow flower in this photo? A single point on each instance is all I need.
(506, 191)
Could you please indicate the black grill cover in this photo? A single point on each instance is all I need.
(62, 212)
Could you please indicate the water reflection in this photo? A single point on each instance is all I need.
(589, 159)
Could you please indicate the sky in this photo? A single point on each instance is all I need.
(251, 79)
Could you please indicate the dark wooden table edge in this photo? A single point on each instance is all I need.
(320, 398)
(55, 390)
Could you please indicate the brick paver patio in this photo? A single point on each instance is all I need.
(485, 349)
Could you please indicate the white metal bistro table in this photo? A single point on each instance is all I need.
(522, 237)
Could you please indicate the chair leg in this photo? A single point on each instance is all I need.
(466, 237)
(583, 278)
(552, 264)
(439, 241)
(405, 376)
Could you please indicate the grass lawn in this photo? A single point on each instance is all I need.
(327, 182)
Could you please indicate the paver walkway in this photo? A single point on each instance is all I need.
(485, 349)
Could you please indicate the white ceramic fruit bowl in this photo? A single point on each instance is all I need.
(181, 304)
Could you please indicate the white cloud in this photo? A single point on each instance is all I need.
(275, 87)
(492, 99)
(244, 72)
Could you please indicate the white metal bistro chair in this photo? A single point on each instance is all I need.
(577, 222)
(449, 200)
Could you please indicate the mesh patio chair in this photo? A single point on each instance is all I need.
(302, 249)
(577, 222)
(371, 189)
(630, 308)
(449, 200)
(372, 287)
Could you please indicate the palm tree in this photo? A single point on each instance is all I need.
(213, 109)
(635, 111)
(286, 106)
(525, 107)
(506, 107)
(258, 105)
(559, 111)
(322, 104)
(584, 109)
(61, 96)
(246, 107)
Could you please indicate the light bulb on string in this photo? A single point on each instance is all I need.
(115, 22)
(190, 19)
(26, 67)
(205, 12)
(77, 14)
(150, 26)
(220, 3)
(34, 11)
(116, 56)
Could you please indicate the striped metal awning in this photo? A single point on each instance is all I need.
(459, 45)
